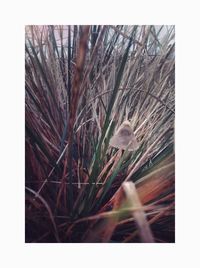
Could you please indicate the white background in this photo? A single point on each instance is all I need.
(14, 16)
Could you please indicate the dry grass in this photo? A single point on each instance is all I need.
(81, 83)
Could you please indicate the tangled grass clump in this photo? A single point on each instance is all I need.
(81, 84)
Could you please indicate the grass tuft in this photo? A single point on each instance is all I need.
(81, 84)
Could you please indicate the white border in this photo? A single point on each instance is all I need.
(16, 15)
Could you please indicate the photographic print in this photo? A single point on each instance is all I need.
(99, 134)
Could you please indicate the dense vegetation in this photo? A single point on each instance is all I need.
(82, 83)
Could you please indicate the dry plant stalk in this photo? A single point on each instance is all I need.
(139, 215)
(76, 96)
(102, 231)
